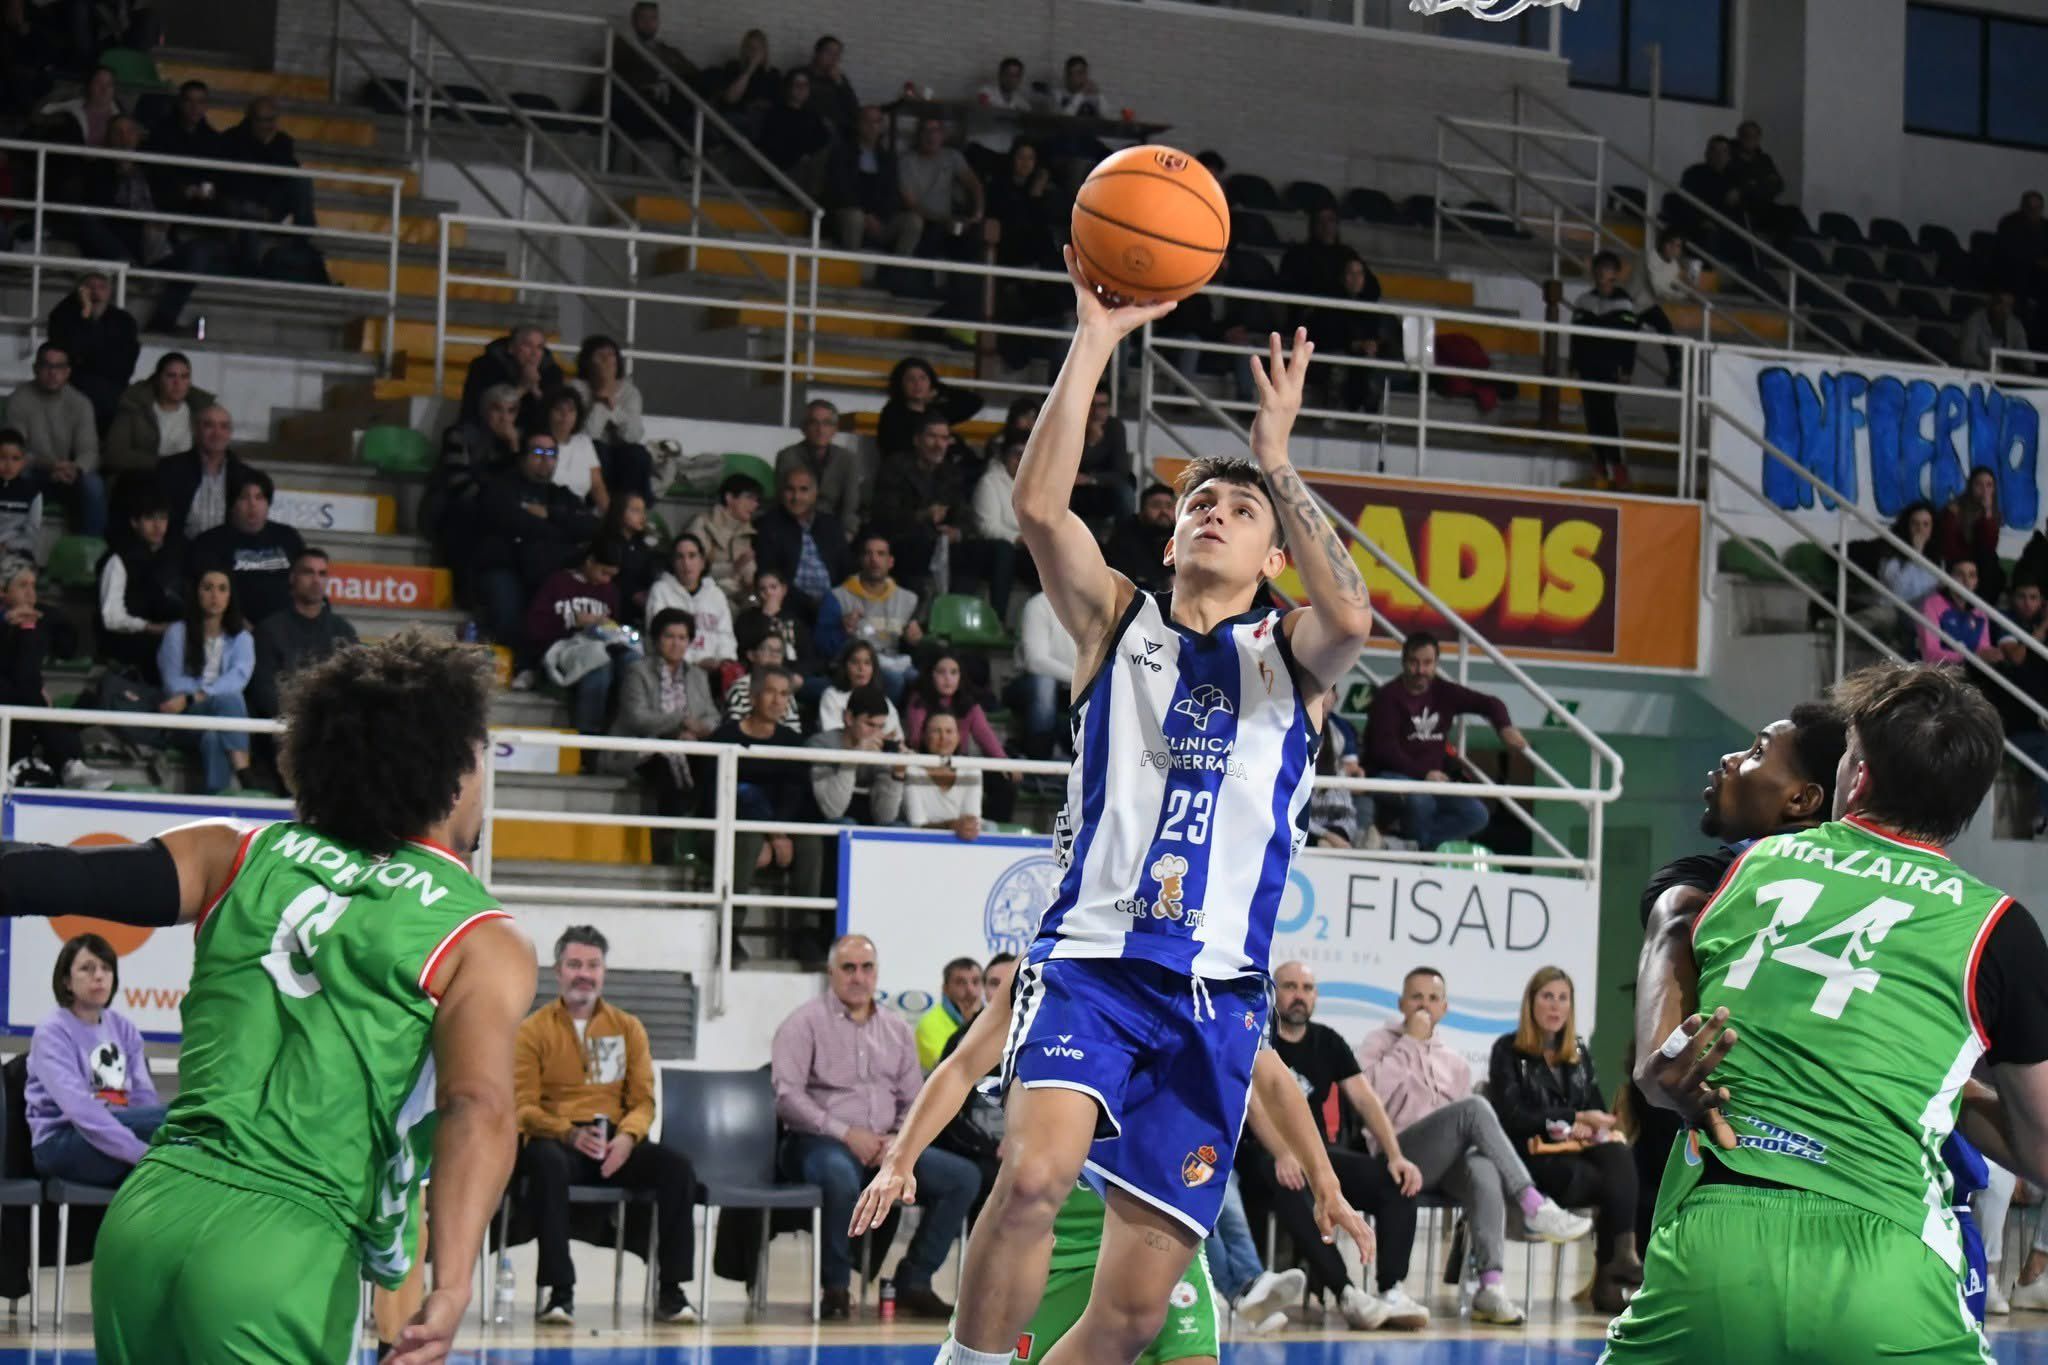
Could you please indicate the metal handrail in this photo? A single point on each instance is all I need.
(1751, 239)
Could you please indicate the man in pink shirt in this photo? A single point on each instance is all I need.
(1455, 1138)
(845, 1072)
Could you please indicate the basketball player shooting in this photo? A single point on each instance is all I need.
(1142, 1003)
(355, 994)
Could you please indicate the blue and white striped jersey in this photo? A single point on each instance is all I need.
(1188, 797)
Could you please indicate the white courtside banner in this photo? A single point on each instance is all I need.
(313, 513)
(1884, 433)
(926, 898)
(156, 964)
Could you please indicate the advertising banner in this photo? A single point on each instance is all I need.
(389, 585)
(925, 898)
(156, 964)
(1884, 434)
(312, 513)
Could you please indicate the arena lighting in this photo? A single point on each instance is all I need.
(1494, 10)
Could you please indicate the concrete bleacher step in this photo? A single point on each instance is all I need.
(418, 219)
(419, 274)
(736, 260)
(665, 210)
(226, 79)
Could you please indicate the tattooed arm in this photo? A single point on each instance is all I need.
(1328, 635)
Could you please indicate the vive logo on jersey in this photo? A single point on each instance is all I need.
(1198, 1167)
(1064, 1050)
(1146, 660)
(1776, 1141)
(1203, 703)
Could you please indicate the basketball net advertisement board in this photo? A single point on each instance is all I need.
(156, 964)
(926, 898)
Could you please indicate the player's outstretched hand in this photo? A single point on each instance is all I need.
(430, 1334)
(1334, 1212)
(1095, 310)
(1683, 1069)
(888, 1186)
(1280, 380)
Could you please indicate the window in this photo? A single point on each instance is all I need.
(1975, 76)
(1608, 43)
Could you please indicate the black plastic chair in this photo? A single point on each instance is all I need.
(1960, 270)
(19, 1189)
(1420, 210)
(1939, 240)
(724, 1121)
(1246, 191)
(1370, 206)
(1961, 306)
(1310, 197)
(1804, 254)
(1629, 201)
(1253, 229)
(1867, 295)
(1840, 227)
(620, 1199)
(1846, 332)
(64, 1194)
(1907, 267)
(1891, 234)
(1921, 305)
(1939, 340)
(1250, 270)
(547, 114)
(1856, 264)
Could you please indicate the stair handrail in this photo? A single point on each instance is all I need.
(1748, 237)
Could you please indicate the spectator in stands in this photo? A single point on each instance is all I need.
(572, 606)
(959, 1000)
(1038, 690)
(154, 418)
(255, 551)
(995, 130)
(102, 341)
(996, 549)
(1079, 97)
(744, 88)
(30, 635)
(859, 794)
(206, 662)
(28, 57)
(1359, 335)
(258, 141)
(1605, 360)
(63, 439)
(1026, 206)
(854, 668)
(1909, 579)
(1407, 736)
(528, 527)
(195, 483)
(726, 531)
(612, 417)
(760, 648)
(1383, 1187)
(472, 453)
(1104, 489)
(772, 610)
(521, 359)
(664, 696)
(871, 606)
(863, 193)
(943, 689)
(915, 389)
(800, 544)
(687, 587)
(794, 135)
(1755, 175)
(91, 1104)
(1316, 266)
(1454, 1136)
(2022, 246)
(1017, 422)
(933, 183)
(93, 110)
(583, 1078)
(945, 797)
(1946, 615)
(921, 499)
(577, 467)
(1338, 818)
(2027, 671)
(1969, 527)
(1995, 325)
(21, 500)
(771, 790)
(640, 557)
(1137, 547)
(845, 1072)
(305, 632)
(839, 476)
(142, 586)
(832, 94)
(186, 131)
(1712, 182)
(656, 76)
(125, 185)
(1661, 280)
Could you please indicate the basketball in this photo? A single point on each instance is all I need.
(1150, 224)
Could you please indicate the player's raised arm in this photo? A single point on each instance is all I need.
(160, 881)
(1328, 634)
(1087, 595)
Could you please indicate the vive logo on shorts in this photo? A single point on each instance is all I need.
(1198, 1167)
(1778, 1141)
(1061, 1049)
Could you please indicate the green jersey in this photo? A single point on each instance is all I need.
(1846, 958)
(307, 1068)
(1077, 1231)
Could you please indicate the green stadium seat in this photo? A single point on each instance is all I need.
(132, 67)
(1812, 564)
(968, 622)
(398, 450)
(1468, 846)
(74, 561)
(754, 467)
(1747, 560)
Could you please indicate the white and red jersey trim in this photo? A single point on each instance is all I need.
(433, 962)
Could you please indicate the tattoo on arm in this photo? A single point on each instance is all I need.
(1305, 520)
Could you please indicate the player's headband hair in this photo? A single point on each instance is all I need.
(1234, 469)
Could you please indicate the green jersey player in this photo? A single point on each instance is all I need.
(352, 984)
(1806, 1217)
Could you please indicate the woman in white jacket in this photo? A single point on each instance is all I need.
(687, 587)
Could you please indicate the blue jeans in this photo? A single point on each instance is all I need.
(1233, 1256)
(946, 1185)
(2034, 744)
(84, 501)
(501, 599)
(1036, 699)
(216, 745)
(1433, 820)
(590, 697)
(67, 1155)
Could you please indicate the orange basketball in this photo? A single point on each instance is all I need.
(1150, 224)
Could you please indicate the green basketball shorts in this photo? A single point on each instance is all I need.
(1768, 1276)
(190, 1270)
(1188, 1334)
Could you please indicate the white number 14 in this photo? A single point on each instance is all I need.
(1845, 973)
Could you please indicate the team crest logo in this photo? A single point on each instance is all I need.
(1024, 1344)
(1170, 161)
(1198, 1167)
(1167, 870)
(1203, 703)
(1183, 1295)
(1017, 902)
(1250, 1022)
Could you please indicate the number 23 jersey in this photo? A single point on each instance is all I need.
(1866, 975)
(1193, 762)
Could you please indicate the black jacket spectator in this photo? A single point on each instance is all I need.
(23, 650)
(2022, 247)
(138, 585)
(1023, 198)
(1713, 183)
(288, 640)
(185, 131)
(908, 487)
(103, 348)
(259, 562)
(902, 414)
(854, 181)
(499, 364)
(831, 92)
(779, 545)
(1313, 266)
(792, 130)
(177, 476)
(513, 537)
(1528, 1093)
(1137, 550)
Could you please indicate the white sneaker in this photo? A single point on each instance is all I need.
(2030, 1298)
(1267, 1325)
(523, 680)
(1362, 1312)
(82, 778)
(1269, 1295)
(1995, 1303)
(1404, 1312)
(1491, 1304)
(1552, 1224)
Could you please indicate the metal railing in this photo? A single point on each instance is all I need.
(71, 267)
(2032, 366)
(40, 206)
(724, 824)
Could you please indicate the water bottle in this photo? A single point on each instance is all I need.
(888, 1308)
(507, 1290)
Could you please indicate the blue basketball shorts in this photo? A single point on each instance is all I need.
(1976, 1270)
(1168, 1063)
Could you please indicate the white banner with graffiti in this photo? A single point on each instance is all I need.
(928, 898)
(1884, 434)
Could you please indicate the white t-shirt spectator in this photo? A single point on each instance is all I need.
(576, 463)
(1043, 645)
(929, 181)
(711, 611)
(174, 430)
(994, 517)
(997, 134)
(924, 805)
(832, 714)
